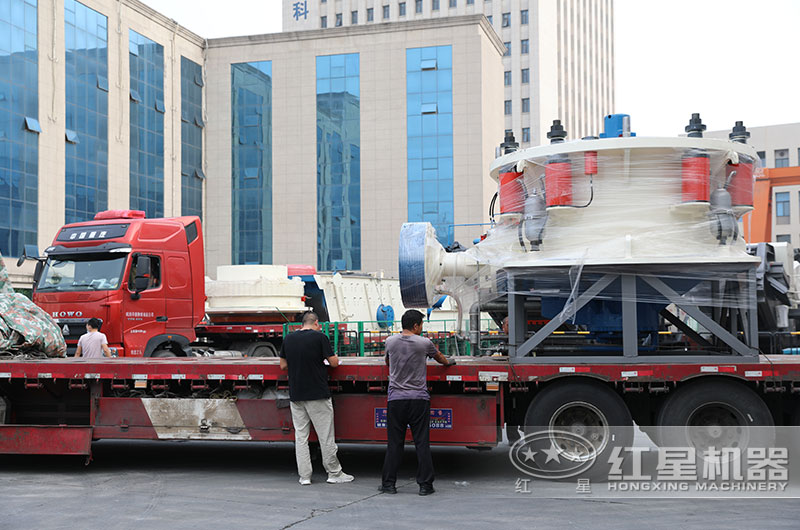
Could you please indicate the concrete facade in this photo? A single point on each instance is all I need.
(123, 15)
(778, 145)
(570, 57)
(477, 96)
(477, 126)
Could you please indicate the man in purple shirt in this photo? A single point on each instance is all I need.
(409, 403)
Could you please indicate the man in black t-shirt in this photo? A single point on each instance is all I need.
(303, 353)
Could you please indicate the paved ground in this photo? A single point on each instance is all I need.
(195, 485)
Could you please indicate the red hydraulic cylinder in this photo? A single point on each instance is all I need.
(741, 183)
(512, 191)
(558, 182)
(695, 182)
(590, 163)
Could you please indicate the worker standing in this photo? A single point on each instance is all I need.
(409, 403)
(303, 354)
(93, 343)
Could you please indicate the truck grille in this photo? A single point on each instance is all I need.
(72, 328)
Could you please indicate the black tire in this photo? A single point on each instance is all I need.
(163, 353)
(262, 349)
(588, 409)
(717, 414)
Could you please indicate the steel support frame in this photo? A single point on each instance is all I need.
(520, 348)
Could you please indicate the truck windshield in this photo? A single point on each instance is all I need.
(79, 273)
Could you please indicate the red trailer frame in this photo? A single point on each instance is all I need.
(58, 406)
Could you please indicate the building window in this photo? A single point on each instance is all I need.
(338, 19)
(338, 162)
(429, 104)
(401, 9)
(453, 3)
(489, 18)
(526, 134)
(523, 17)
(251, 163)
(435, 5)
(762, 155)
(782, 213)
(507, 78)
(146, 64)
(526, 105)
(192, 124)
(523, 46)
(86, 168)
(370, 14)
(354, 17)
(526, 76)
(418, 6)
(784, 238)
(323, 22)
(385, 12)
(506, 20)
(19, 105)
(507, 107)
(470, 2)
(508, 49)
(781, 158)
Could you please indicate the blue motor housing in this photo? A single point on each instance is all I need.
(385, 316)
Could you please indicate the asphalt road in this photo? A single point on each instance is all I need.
(191, 485)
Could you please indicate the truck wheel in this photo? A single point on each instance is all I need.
(262, 349)
(715, 414)
(163, 353)
(578, 425)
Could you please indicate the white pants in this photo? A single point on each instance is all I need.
(318, 412)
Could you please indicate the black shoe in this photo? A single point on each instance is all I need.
(425, 489)
(391, 489)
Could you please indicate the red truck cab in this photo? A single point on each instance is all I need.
(144, 278)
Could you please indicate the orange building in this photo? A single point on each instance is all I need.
(776, 213)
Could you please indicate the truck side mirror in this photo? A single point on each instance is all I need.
(142, 276)
(28, 252)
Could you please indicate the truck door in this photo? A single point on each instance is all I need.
(145, 313)
(177, 279)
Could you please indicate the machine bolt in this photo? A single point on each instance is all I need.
(557, 132)
(509, 145)
(739, 133)
(696, 126)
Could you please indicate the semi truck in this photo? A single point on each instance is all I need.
(145, 280)
(668, 335)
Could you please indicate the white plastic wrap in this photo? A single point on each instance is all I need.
(571, 213)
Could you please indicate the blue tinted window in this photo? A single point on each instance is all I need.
(19, 112)
(782, 204)
(338, 162)
(86, 171)
(251, 115)
(429, 108)
(191, 138)
(147, 126)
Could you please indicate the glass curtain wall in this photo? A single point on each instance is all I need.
(338, 162)
(251, 108)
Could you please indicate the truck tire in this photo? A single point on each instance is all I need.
(588, 410)
(262, 349)
(718, 414)
(163, 353)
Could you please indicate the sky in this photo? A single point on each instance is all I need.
(728, 60)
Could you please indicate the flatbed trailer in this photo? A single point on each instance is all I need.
(59, 406)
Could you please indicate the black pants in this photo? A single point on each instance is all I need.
(415, 413)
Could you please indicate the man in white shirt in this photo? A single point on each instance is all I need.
(93, 343)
